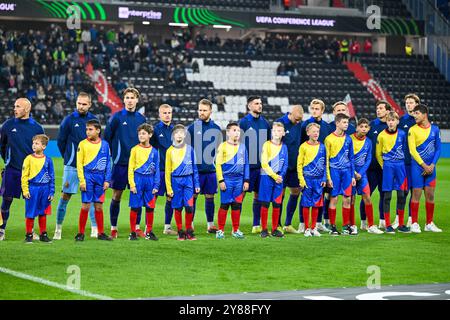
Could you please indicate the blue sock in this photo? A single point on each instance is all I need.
(169, 212)
(380, 205)
(6, 204)
(209, 209)
(61, 210)
(114, 210)
(300, 213)
(92, 216)
(326, 205)
(256, 213)
(139, 215)
(290, 209)
(362, 210)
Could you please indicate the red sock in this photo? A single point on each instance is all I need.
(387, 218)
(315, 214)
(133, 218)
(369, 214)
(188, 220)
(43, 223)
(222, 218)
(178, 219)
(275, 216)
(235, 219)
(306, 217)
(29, 223)
(345, 216)
(414, 212)
(82, 220)
(149, 213)
(352, 214)
(332, 216)
(429, 207)
(264, 217)
(401, 217)
(99, 220)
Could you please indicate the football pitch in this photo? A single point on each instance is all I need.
(124, 269)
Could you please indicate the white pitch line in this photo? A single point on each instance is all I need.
(25, 276)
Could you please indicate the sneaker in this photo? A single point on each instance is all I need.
(315, 233)
(57, 235)
(170, 231)
(308, 233)
(390, 230)
(409, 223)
(114, 234)
(220, 234)
(301, 228)
(94, 232)
(277, 234)
(374, 230)
(364, 225)
(35, 236)
(79, 237)
(415, 228)
(334, 231)
(238, 234)
(322, 228)
(190, 235)
(328, 226)
(104, 236)
(382, 224)
(44, 237)
(140, 233)
(2, 234)
(289, 229)
(347, 230)
(354, 230)
(395, 224)
(29, 238)
(256, 229)
(133, 236)
(151, 236)
(280, 228)
(212, 230)
(432, 227)
(264, 233)
(404, 229)
(181, 235)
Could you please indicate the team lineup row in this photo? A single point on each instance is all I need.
(320, 160)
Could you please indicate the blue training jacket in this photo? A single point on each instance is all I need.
(162, 140)
(256, 132)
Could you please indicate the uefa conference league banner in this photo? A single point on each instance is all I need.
(194, 16)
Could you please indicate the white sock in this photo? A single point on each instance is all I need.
(327, 221)
(58, 227)
(210, 224)
(138, 227)
(167, 226)
(113, 228)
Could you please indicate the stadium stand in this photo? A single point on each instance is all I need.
(283, 69)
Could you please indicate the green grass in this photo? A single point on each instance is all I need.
(124, 269)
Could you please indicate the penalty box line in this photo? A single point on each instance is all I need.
(49, 283)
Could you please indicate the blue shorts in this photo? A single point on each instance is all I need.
(418, 181)
(119, 177)
(255, 177)
(342, 182)
(11, 183)
(208, 183)
(144, 196)
(312, 195)
(269, 190)
(394, 176)
(38, 203)
(162, 184)
(70, 180)
(362, 186)
(183, 191)
(234, 192)
(290, 180)
(94, 188)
